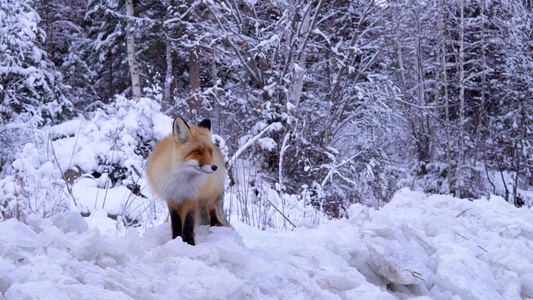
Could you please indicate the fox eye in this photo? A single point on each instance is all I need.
(197, 152)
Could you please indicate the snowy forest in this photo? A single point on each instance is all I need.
(328, 102)
(374, 149)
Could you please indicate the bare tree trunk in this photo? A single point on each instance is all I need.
(110, 77)
(194, 81)
(425, 138)
(483, 80)
(504, 184)
(403, 88)
(445, 85)
(517, 152)
(461, 105)
(402, 70)
(299, 71)
(134, 70)
(168, 78)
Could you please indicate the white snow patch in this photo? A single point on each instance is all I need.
(417, 246)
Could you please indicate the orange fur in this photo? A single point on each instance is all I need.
(180, 170)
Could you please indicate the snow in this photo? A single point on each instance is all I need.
(418, 245)
(99, 240)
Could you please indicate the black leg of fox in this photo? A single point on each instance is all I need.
(175, 222)
(213, 219)
(188, 227)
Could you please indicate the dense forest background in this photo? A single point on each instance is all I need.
(346, 101)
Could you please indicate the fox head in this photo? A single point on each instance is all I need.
(195, 146)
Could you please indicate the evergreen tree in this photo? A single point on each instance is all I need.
(30, 86)
(29, 82)
(66, 44)
(107, 47)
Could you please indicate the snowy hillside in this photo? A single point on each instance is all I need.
(428, 246)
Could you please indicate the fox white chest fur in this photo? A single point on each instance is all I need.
(183, 183)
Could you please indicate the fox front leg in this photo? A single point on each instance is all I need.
(187, 213)
(175, 221)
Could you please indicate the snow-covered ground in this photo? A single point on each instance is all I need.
(417, 246)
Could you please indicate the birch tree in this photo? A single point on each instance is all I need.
(444, 88)
(132, 61)
(483, 82)
(461, 55)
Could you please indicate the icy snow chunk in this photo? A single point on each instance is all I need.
(18, 234)
(337, 282)
(172, 248)
(229, 245)
(498, 202)
(527, 284)
(42, 290)
(358, 214)
(510, 286)
(519, 259)
(113, 247)
(464, 275)
(87, 246)
(37, 223)
(99, 218)
(83, 291)
(6, 275)
(58, 256)
(70, 221)
(399, 261)
(368, 291)
(406, 198)
(511, 232)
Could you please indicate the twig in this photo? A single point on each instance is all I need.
(60, 170)
(416, 275)
(482, 248)
(281, 213)
(413, 184)
(464, 211)
(111, 168)
(332, 170)
(75, 144)
(460, 235)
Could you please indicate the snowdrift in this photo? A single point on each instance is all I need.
(424, 246)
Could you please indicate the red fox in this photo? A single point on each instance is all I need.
(187, 170)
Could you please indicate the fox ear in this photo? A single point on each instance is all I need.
(181, 130)
(206, 123)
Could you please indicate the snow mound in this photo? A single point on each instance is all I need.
(426, 246)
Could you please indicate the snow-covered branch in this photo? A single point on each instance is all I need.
(273, 126)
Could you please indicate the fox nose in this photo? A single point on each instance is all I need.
(214, 168)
